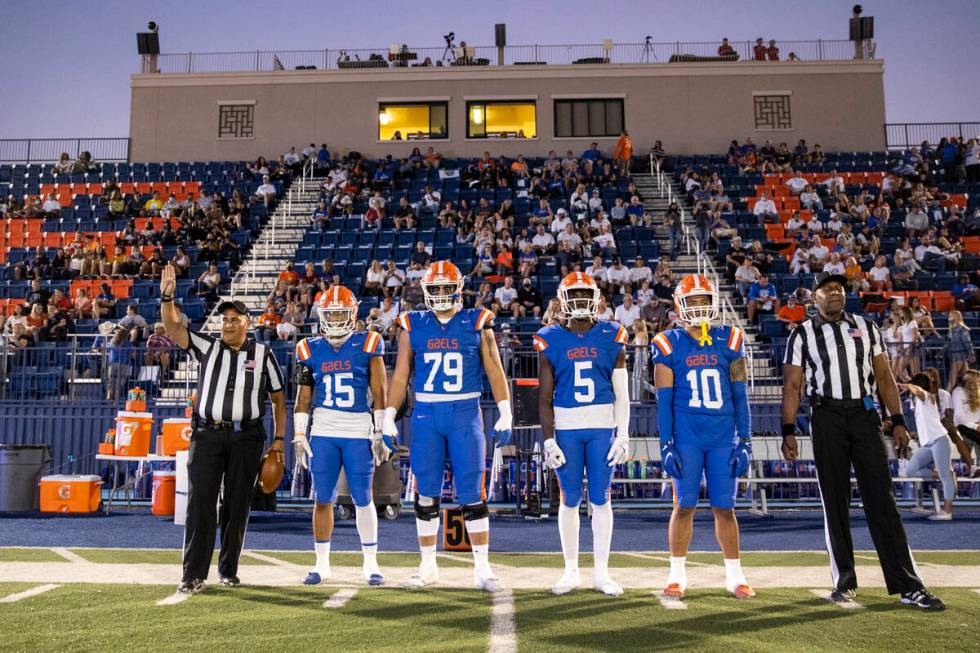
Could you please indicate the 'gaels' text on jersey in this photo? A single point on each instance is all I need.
(341, 383)
(448, 364)
(583, 364)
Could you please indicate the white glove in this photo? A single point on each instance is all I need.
(503, 430)
(388, 427)
(554, 457)
(301, 446)
(619, 452)
(378, 449)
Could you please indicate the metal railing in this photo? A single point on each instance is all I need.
(49, 150)
(621, 53)
(903, 135)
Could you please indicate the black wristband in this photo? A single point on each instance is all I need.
(166, 299)
(278, 437)
(897, 420)
(789, 429)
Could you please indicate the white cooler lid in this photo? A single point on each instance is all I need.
(65, 478)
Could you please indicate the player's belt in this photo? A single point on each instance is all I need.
(434, 398)
(829, 402)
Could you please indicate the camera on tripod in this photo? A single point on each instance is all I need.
(449, 38)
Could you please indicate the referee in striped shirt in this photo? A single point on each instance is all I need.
(841, 362)
(228, 436)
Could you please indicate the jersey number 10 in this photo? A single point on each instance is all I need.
(710, 384)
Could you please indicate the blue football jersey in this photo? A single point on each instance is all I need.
(342, 375)
(583, 363)
(448, 364)
(702, 382)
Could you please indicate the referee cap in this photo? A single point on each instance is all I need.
(233, 304)
(827, 277)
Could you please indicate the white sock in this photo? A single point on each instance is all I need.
(428, 555)
(322, 557)
(367, 528)
(733, 574)
(602, 525)
(481, 559)
(678, 571)
(568, 529)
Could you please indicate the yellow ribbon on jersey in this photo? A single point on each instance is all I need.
(705, 337)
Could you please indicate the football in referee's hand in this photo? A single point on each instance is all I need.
(271, 472)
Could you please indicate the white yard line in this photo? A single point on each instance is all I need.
(669, 603)
(70, 556)
(339, 599)
(503, 630)
(861, 557)
(174, 599)
(270, 560)
(977, 591)
(648, 556)
(458, 557)
(34, 591)
(844, 605)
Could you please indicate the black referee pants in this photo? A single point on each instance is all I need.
(843, 438)
(215, 456)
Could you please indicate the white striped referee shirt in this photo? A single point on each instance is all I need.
(836, 356)
(232, 385)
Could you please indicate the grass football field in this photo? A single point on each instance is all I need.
(120, 599)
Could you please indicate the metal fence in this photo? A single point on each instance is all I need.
(903, 135)
(621, 53)
(49, 150)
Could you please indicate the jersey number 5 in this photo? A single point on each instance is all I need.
(451, 364)
(336, 392)
(584, 386)
(710, 385)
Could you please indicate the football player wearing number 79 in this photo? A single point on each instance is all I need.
(449, 348)
(705, 425)
(584, 407)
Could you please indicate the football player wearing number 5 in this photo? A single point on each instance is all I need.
(584, 406)
(705, 426)
(446, 349)
(340, 374)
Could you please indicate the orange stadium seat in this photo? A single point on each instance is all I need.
(942, 301)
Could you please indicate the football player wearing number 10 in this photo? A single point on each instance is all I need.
(449, 348)
(584, 407)
(705, 426)
(339, 374)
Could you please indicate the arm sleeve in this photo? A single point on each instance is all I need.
(665, 414)
(303, 375)
(743, 414)
(621, 407)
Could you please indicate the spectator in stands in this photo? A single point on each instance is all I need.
(819, 253)
(910, 339)
(38, 295)
(404, 215)
(759, 50)
(36, 320)
(762, 298)
(916, 222)
(604, 311)
(772, 52)
(543, 242)
(504, 259)
(636, 212)
(420, 255)
(207, 284)
(265, 193)
(959, 348)
(529, 299)
(834, 264)
(922, 317)
(628, 312)
(412, 296)
(598, 272)
(902, 274)
(321, 215)
(266, 323)
(726, 51)
(552, 314)
(51, 206)
(63, 166)
(568, 259)
(834, 183)
(618, 277)
(800, 261)
(505, 299)
(181, 261)
(134, 324)
(640, 272)
(394, 280)
(389, 310)
(82, 307)
(658, 311)
(623, 153)
(560, 222)
(374, 280)
(857, 281)
(765, 209)
(83, 163)
(809, 199)
(19, 317)
(746, 275)
(120, 359)
(791, 314)
(158, 347)
(965, 293)
(796, 183)
(153, 205)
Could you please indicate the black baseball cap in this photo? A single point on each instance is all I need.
(826, 277)
(235, 305)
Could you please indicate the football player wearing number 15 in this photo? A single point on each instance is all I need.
(584, 406)
(705, 426)
(339, 374)
(449, 348)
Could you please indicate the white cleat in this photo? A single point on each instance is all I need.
(423, 578)
(607, 585)
(487, 583)
(568, 582)
(373, 576)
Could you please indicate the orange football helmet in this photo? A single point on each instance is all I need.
(337, 309)
(579, 296)
(442, 286)
(691, 286)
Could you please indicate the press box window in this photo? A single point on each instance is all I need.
(501, 120)
(588, 118)
(410, 122)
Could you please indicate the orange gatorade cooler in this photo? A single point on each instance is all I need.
(133, 433)
(70, 493)
(164, 492)
(176, 435)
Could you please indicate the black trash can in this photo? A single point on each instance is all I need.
(21, 468)
(386, 489)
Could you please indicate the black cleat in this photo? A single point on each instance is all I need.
(193, 586)
(923, 600)
(842, 596)
(229, 581)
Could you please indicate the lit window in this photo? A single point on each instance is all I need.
(501, 120)
(412, 121)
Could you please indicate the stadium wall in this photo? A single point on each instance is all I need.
(691, 107)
